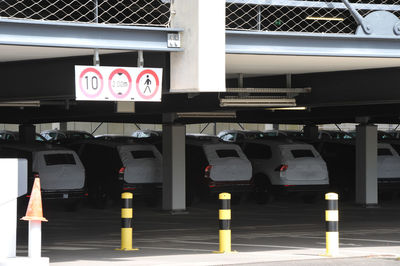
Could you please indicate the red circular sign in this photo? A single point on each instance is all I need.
(138, 86)
(92, 84)
(120, 71)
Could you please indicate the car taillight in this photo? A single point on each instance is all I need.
(207, 171)
(282, 168)
(128, 188)
(121, 173)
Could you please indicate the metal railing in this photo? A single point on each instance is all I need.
(301, 15)
(317, 16)
(119, 12)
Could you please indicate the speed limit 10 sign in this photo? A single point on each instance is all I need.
(118, 84)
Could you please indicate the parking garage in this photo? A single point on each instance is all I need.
(337, 68)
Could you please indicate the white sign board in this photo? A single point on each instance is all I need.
(118, 84)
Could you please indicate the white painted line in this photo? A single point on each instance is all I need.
(238, 244)
(354, 239)
(182, 249)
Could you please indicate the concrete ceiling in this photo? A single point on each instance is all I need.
(18, 53)
(249, 65)
(260, 65)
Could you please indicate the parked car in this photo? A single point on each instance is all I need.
(213, 167)
(116, 137)
(381, 135)
(113, 167)
(237, 136)
(150, 136)
(61, 173)
(65, 136)
(394, 133)
(147, 133)
(283, 166)
(275, 133)
(341, 160)
(9, 135)
(334, 135)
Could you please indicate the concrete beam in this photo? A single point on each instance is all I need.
(80, 35)
(311, 44)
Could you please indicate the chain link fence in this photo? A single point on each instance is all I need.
(120, 12)
(316, 16)
(301, 16)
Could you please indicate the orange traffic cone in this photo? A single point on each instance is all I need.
(35, 210)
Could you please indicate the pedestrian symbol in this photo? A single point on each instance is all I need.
(147, 84)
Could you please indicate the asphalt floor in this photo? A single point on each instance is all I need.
(287, 231)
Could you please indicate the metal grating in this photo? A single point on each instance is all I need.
(301, 16)
(120, 12)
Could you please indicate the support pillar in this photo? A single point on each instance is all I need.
(27, 133)
(311, 131)
(366, 165)
(174, 194)
(203, 22)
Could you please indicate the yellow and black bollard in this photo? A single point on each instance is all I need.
(332, 224)
(225, 224)
(126, 222)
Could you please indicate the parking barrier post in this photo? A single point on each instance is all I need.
(127, 222)
(225, 224)
(332, 224)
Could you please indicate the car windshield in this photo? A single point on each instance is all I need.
(39, 138)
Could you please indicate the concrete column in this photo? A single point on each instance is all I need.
(366, 165)
(27, 133)
(201, 66)
(311, 131)
(174, 194)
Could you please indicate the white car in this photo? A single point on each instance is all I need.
(14, 136)
(239, 135)
(213, 167)
(388, 168)
(281, 166)
(65, 135)
(116, 166)
(61, 172)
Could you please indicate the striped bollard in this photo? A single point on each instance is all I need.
(332, 224)
(126, 222)
(225, 224)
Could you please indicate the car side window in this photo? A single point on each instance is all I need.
(258, 151)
